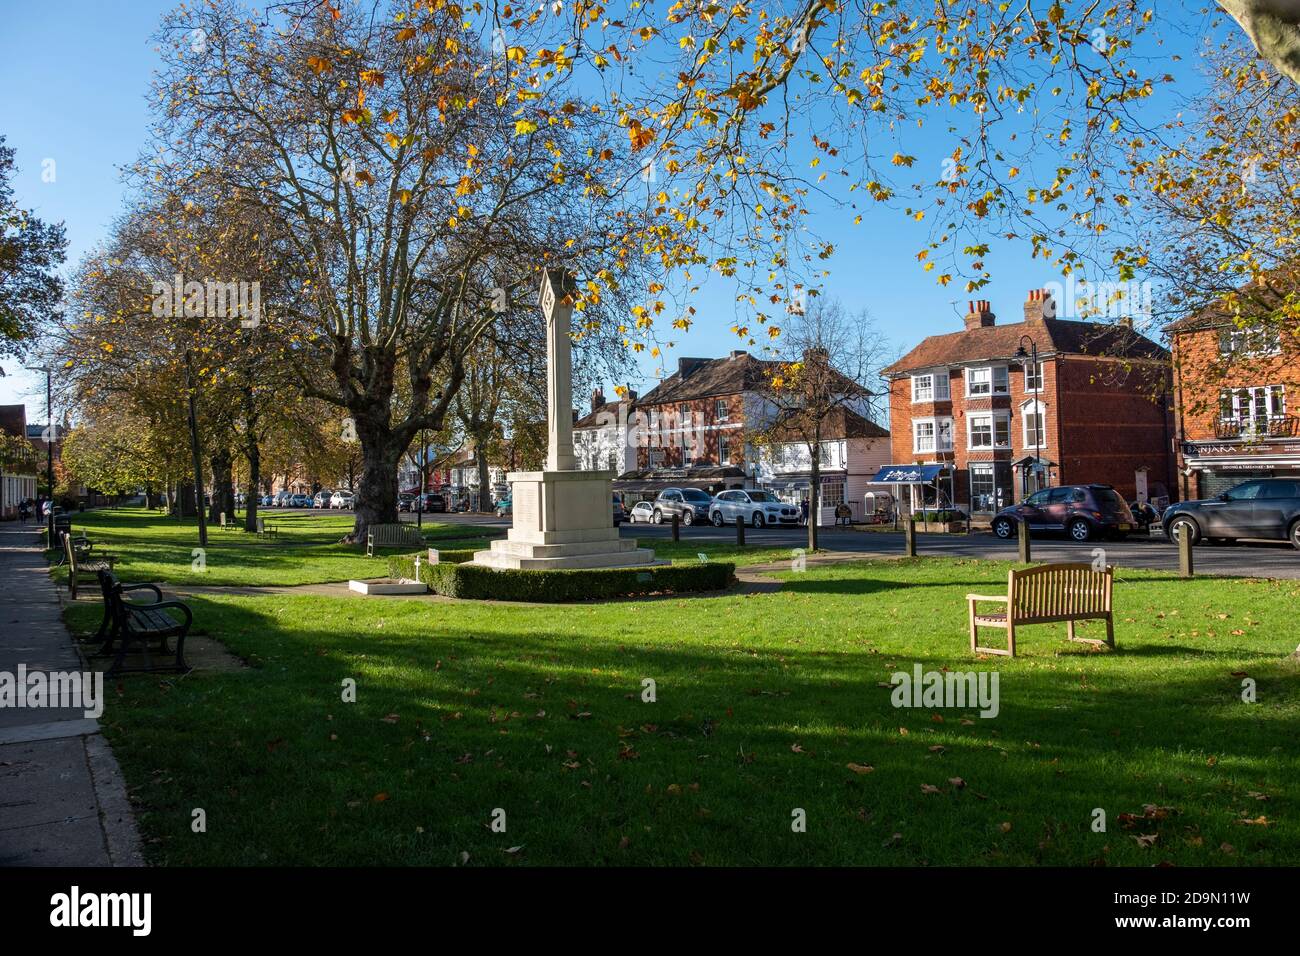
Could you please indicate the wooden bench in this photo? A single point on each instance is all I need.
(77, 552)
(134, 624)
(1045, 595)
(265, 530)
(392, 536)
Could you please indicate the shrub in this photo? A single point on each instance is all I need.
(479, 583)
(942, 516)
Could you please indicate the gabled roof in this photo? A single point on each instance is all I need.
(603, 414)
(704, 378)
(840, 423)
(1054, 337)
(1255, 299)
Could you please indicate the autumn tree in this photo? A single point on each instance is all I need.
(31, 251)
(419, 203)
(818, 386)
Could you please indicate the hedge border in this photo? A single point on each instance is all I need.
(474, 582)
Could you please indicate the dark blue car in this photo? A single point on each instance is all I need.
(1264, 509)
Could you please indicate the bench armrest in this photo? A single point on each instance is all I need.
(1001, 598)
(141, 587)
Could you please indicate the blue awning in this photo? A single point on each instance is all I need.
(907, 474)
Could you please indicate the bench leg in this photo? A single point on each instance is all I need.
(1110, 632)
(970, 608)
(1011, 637)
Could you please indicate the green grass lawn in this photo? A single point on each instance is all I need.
(763, 702)
(153, 547)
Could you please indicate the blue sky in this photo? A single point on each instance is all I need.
(77, 74)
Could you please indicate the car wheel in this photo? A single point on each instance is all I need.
(688, 518)
(716, 518)
(659, 517)
(1004, 527)
(758, 519)
(1295, 535)
(1184, 526)
(1080, 530)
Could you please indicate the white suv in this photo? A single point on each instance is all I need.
(758, 508)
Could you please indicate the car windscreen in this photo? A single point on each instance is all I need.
(761, 496)
(694, 494)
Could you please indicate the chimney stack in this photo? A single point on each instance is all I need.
(685, 366)
(1039, 306)
(597, 399)
(980, 315)
(1127, 322)
(631, 393)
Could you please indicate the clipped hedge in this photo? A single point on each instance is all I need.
(487, 584)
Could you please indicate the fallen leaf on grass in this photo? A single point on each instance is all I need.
(1146, 839)
(795, 748)
(930, 788)
(957, 782)
(860, 767)
(1005, 826)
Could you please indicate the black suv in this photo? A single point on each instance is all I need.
(1265, 508)
(1081, 511)
(691, 504)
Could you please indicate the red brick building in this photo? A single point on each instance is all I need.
(1094, 409)
(1235, 392)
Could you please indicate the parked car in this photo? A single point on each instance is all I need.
(620, 515)
(282, 499)
(1083, 512)
(431, 502)
(643, 512)
(690, 504)
(267, 501)
(505, 508)
(322, 498)
(299, 500)
(407, 502)
(1265, 508)
(342, 499)
(758, 508)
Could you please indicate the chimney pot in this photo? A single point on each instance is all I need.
(1039, 306)
(597, 398)
(980, 316)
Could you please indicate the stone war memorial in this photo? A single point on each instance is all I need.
(563, 517)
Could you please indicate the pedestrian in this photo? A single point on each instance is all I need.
(803, 512)
(24, 510)
(843, 515)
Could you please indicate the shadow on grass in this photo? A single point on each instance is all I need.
(459, 713)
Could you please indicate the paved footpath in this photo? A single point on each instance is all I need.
(62, 798)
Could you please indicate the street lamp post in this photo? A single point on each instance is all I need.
(49, 448)
(1032, 355)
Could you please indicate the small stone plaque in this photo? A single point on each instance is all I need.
(433, 555)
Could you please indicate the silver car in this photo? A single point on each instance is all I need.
(758, 508)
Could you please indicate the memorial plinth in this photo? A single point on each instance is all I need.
(561, 517)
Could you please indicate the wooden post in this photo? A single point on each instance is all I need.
(1185, 563)
(740, 532)
(677, 526)
(1022, 529)
(909, 536)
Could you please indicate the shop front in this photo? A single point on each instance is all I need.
(1210, 470)
(796, 489)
